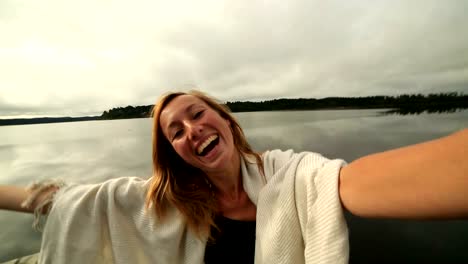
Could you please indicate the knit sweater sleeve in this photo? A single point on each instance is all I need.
(299, 213)
(81, 218)
(320, 211)
(108, 223)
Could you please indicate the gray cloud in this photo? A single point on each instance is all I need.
(89, 57)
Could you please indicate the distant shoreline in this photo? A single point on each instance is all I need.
(52, 120)
(402, 104)
(46, 120)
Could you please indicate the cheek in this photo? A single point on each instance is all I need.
(225, 125)
(181, 149)
(229, 132)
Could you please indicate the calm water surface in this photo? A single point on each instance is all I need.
(94, 151)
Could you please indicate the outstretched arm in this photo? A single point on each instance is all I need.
(422, 181)
(12, 197)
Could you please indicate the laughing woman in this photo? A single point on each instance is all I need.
(213, 199)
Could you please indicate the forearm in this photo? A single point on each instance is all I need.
(426, 180)
(13, 198)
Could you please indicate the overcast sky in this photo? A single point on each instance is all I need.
(82, 57)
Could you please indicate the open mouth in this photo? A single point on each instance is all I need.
(208, 145)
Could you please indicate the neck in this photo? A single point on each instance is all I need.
(229, 182)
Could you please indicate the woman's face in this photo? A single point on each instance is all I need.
(198, 134)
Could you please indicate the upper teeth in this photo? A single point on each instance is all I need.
(206, 143)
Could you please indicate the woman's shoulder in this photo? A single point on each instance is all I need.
(289, 153)
(280, 157)
(274, 160)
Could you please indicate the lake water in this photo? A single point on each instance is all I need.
(94, 151)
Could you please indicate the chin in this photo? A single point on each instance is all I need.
(219, 164)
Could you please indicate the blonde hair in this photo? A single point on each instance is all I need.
(179, 184)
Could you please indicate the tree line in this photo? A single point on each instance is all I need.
(127, 112)
(408, 103)
(415, 101)
(401, 104)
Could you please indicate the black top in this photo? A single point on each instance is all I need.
(234, 243)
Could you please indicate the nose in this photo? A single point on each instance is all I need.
(193, 129)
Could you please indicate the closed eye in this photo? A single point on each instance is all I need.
(177, 134)
(198, 114)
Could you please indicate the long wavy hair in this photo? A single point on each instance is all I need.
(176, 183)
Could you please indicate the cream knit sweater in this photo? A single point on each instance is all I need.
(299, 218)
